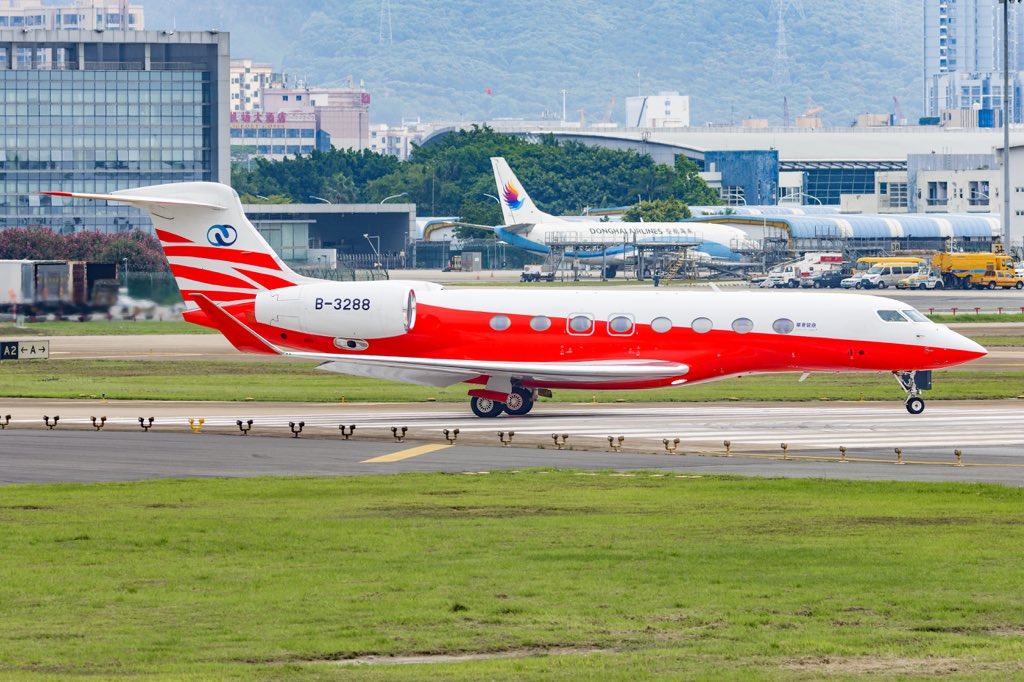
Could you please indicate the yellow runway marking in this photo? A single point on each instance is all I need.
(406, 454)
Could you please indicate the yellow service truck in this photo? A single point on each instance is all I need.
(978, 270)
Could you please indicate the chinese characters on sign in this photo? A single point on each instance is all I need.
(258, 117)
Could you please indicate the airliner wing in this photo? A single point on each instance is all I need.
(515, 229)
(518, 228)
(442, 371)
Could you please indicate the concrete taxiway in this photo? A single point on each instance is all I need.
(989, 434)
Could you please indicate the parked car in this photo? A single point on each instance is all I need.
(882, 276)
(829, 279)
(922, 279)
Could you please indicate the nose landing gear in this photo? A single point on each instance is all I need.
(913, 383)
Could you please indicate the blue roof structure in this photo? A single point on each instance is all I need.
(863, 226)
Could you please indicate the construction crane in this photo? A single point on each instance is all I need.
(812, 108)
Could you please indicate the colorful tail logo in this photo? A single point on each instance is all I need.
(511, 196)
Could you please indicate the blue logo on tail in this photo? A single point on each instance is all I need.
(222, 235)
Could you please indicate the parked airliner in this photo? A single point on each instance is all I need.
(511, 346)
(531, 229)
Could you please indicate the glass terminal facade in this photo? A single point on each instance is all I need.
(99, 117)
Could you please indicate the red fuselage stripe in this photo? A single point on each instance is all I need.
(170, 238)
(219, 295)
(219, 253)
(265, 280)
(209, 277)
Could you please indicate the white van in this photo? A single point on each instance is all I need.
(882, 276)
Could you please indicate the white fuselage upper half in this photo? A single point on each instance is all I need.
(814, 315)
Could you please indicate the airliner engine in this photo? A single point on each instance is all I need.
(348, 311)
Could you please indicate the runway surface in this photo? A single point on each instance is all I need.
(989, 434)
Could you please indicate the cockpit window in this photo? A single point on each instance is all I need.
(891, 316)
(914, 315)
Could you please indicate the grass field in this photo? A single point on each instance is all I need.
(593, 576)
(276, 381)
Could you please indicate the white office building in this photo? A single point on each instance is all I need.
(963, 58)
(93, 15)
(664, 110)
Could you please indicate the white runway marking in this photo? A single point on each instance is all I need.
(805, 426)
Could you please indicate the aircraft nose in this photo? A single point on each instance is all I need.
(962, 349)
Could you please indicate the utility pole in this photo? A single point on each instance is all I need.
(1006, 122)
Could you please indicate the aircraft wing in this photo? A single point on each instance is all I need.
(518, 228)
(515, 229)
(443, 371)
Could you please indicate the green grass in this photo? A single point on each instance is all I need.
(968, 315)
(277, 381)
(668, 578)
(995, 341)
(100, 328)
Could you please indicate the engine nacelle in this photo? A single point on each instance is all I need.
(348, 311)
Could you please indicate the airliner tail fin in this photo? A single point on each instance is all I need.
(516, 205)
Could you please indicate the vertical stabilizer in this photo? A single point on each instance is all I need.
(211, 246)
(516, 206)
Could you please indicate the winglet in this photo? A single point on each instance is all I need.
(240, 336)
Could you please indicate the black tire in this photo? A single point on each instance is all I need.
(882, 284)
(940, 285)
(991, 284)
(485, 407)
(610, 270)
(915, 405)
(922, 286)
(520, 401)
(1019, 285)
(817, 285)
(793, 283)
(858, 285)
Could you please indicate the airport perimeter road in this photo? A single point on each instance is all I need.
(989, 434)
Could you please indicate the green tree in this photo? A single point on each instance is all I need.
(658, 211)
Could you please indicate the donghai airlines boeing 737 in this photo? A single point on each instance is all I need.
(531, 229)
(513, 346)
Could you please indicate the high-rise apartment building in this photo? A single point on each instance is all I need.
(98, 111)
(963, 57)
(248, 80)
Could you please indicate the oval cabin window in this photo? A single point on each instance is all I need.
(540, 323)
(783, 325)
(500, 323)
(742, 325)
(580, 324)
(661, 325)
(621, 325)
(701, 325)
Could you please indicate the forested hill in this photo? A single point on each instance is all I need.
(444, 55)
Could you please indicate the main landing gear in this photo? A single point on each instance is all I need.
(913, 383)
(519, 402)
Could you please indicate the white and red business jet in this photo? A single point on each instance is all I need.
(512, 346)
